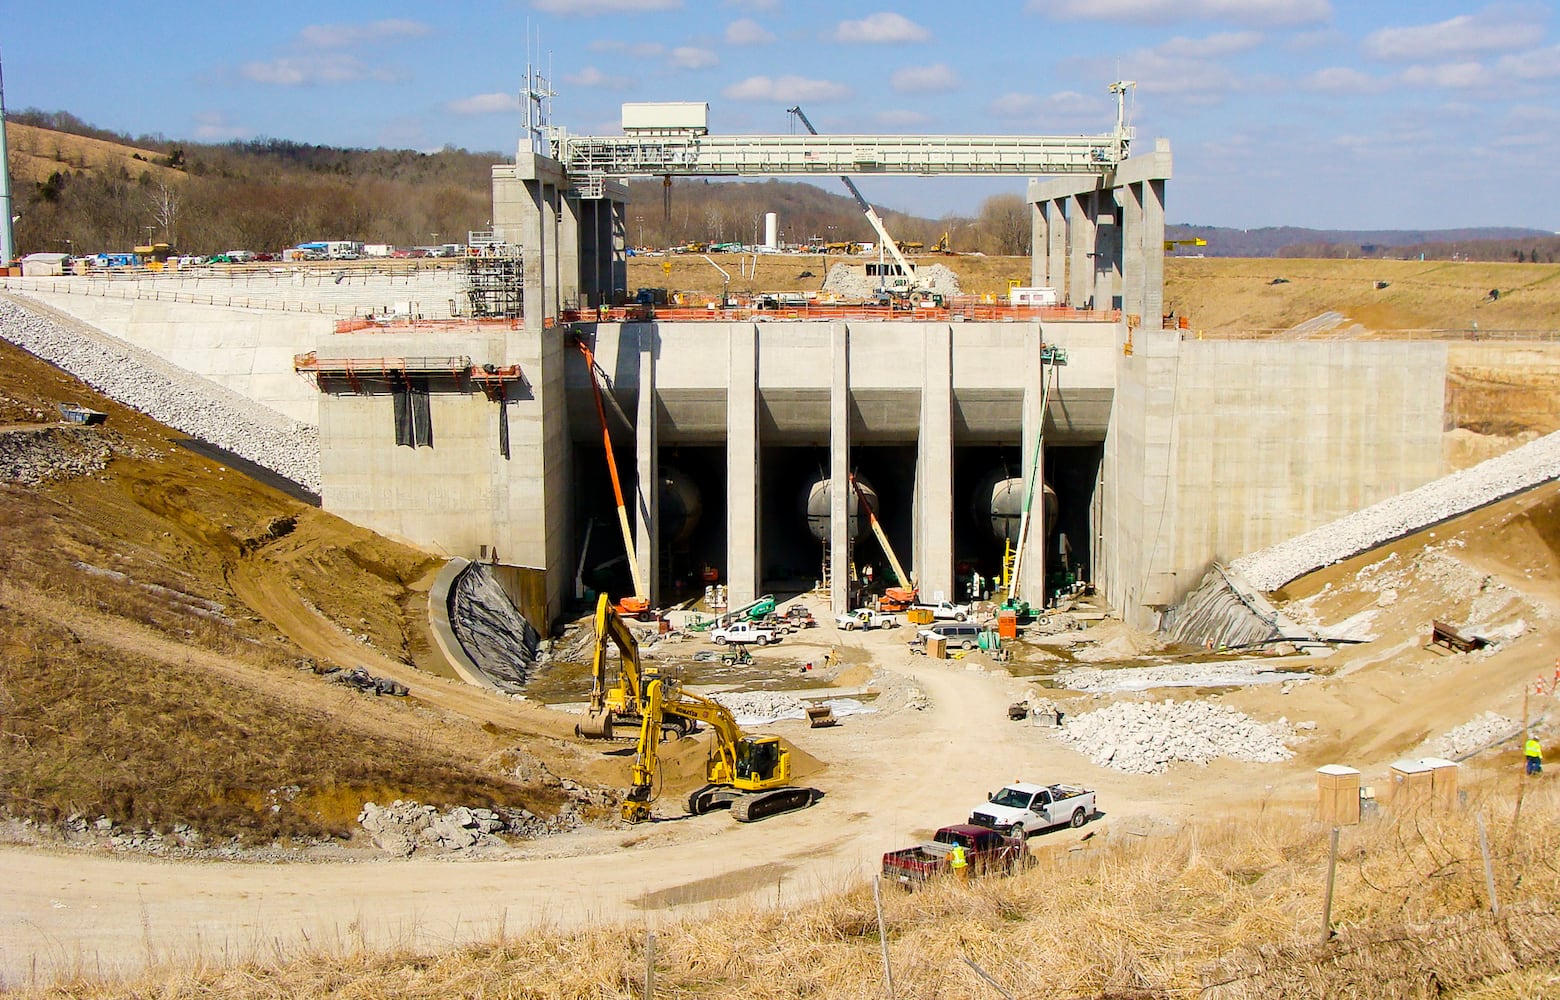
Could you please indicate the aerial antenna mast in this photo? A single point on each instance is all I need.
(7, 235)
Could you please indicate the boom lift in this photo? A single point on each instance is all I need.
(639, 603)
(624, 701)
(908, 285)
(894, 598)
(750, 774)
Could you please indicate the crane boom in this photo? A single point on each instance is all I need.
(905, 267)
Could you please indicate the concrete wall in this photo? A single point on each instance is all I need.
(1221, 448)
(247, 350)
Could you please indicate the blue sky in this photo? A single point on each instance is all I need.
(1319, 113)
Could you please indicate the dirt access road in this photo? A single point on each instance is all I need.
(889, 778)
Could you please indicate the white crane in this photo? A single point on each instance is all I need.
(912, 286)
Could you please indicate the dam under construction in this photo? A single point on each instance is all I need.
(475, 418)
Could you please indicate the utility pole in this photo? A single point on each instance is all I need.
(7, 235)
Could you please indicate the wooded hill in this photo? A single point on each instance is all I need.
(83, 189)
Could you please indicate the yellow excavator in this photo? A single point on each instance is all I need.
(621, 701)
(750, 774)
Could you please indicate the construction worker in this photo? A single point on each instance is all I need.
(958, 862)
(1534, 753)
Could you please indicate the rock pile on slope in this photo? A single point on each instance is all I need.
(180, 399)
(30, 456)
(1147, 737)
(1471, 737)
(403, 828)
(1394, 517)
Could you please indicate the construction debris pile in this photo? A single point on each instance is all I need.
(1218, 674)
(403, 828)
(852, 282)
(1394, 517)
(186, 402)
(1147, 737)
(28, 457)
(1471, 737)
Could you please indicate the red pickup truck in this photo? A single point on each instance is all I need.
(986, 851)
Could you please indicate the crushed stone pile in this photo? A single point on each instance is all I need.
(1519, 469)
(1471, 737)
(167, 393)
(754, 707)
(850, 281)
(1215, 674)
(1147, 737)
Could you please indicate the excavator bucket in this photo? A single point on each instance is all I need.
(595, 726)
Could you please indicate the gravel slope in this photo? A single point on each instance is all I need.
(167, 393)
(1519, 469)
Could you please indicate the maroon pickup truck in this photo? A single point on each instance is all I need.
(987, 852)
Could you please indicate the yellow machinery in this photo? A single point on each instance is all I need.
(623, 701)
(750, 774)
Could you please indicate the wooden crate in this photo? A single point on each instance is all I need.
(1443, 781)
(1337, 795)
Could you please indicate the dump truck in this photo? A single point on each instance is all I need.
(988, 852)
(1022, 808)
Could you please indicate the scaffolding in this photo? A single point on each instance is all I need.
(495, 282)
(371, 375)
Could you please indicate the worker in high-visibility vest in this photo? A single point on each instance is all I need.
(959, 863)
(1534, 753)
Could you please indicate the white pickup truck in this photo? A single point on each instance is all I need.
(866, 618)
(744, 632)
(1021, 808)
(948, 611)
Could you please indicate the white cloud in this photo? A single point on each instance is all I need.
(746, 31)
(1063, 104)
(1342, 80)
(882, 28)
(754, 4)
(294, 71)
(644, 50)
(1490, 30)
(1454, 75)
(787, 90)
(590, 8)
(689, 57)
(1211, 47)
(1267, 12)
(336, 36)
(932, 79)
(214, 127)
(1183, 67)
(590, 76)
(902, 118)
(485, 104)
(1539, 64)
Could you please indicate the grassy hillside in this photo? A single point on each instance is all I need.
(139, 681)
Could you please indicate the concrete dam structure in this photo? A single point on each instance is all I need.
(481, 439)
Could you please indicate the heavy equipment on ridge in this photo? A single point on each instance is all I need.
(750, 774)
(621, 702)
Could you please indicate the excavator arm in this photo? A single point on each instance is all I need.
(625, 699)
(751, 774)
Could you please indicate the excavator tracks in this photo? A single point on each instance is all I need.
(759, 805)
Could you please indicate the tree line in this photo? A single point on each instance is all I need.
(267, 194)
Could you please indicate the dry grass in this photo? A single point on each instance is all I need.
(36, 153)
(1228, 909)
(1222, 296)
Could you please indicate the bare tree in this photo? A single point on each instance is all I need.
(1005, 224)
(164, 203)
